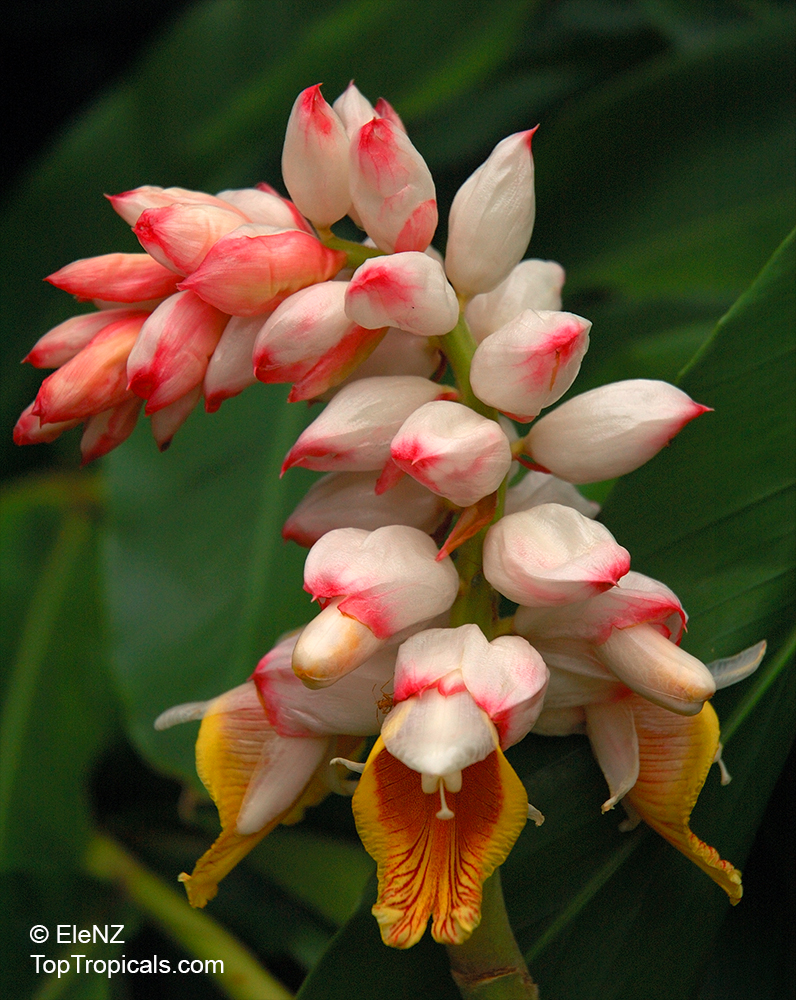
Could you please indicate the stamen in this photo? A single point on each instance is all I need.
(444, 812)
(535, 815)
(352, 765)
(726, 777)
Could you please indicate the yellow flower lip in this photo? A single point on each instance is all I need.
(435, 845)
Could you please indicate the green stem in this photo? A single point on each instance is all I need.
(489, 965)
(241, 976)
(356, 252)
(459, 346)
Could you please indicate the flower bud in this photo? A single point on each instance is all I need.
(94, 380)
(453, 451)
(315, 159)
(353, 109)
(551, 555)
(310, 341)
(404, 290)
(532, 284)
(180, 236)
(30, 430)
(171, 353)
(611, 430)
(166, 421)
(63, 342)
(354, 432)
(107, 430)
(536, 488)
(349, 499)
(263, 205)
(116, 277)
(635, 600)
(391, 188)
(130, 204)
(530, 362)
(230, 369)
(390, 578)
(253, 268)
(385, 110)
(491, 218)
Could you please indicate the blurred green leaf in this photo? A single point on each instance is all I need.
(58, 713)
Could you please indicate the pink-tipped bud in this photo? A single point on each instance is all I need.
(130, 204)
(63, 342)
(105, 431)
(167, 421)
(551, 555)
(353, 109)
(400, 353)
(230, 369)
(266, 207)
(635, 600)
(172, 351)
(610, 430)
(310, 341)
(116, 277)
(405, 290)
(453, 451)
(374, 585)
(491, 218)
(354, 432)
(349, 500)
(390, 578)
(391, 188)
(385, 110)
(179, 236)
(94, 380)
(529, 363)
(532, 284)
(536, 488)
(252, 269)
(30, 430)
(315, 159)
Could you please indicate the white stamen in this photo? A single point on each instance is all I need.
(535, 815)
(726, 777)
(444, 812)
(188, 712)
(352, 765)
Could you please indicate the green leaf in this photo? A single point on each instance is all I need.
(58, 713)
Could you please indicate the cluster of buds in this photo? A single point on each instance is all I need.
(423, 521)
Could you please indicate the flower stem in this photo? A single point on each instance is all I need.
(357, 253)
(459, 346)
(241, 976)
(489, 965)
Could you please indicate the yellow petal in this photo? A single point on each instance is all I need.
(235, 744)
(429, 866)
(675, 754)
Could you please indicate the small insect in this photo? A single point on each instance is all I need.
(385, 703)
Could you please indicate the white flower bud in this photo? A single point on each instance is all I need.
(454, 451)
(491, 218)
(530, 362)
(551, 555)
(610, 430)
